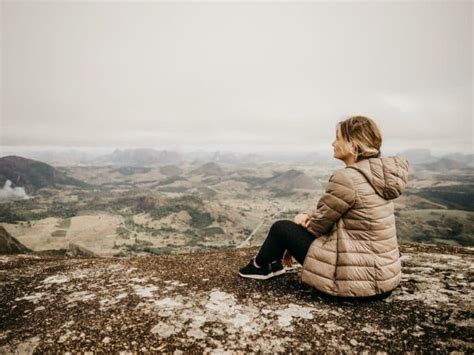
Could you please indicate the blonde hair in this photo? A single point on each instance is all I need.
(364, 134)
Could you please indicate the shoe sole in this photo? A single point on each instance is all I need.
(264, 277)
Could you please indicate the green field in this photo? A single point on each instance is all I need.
(438, 226)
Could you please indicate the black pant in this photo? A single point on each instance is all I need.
(283, 235)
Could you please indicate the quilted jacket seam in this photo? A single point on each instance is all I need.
(334, 208)
(372, 220)
(315, 273)
(372, 241)
(349, 280)
(368, 253)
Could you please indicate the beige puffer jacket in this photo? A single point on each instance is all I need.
(356, 249)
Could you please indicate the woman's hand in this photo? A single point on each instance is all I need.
(287, 259)
(302, 219)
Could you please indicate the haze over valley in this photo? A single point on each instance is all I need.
(146, 201)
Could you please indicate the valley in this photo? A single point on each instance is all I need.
(175, 208)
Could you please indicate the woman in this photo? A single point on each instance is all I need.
(348, 244)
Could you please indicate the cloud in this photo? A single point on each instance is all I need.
(9, 193)
(401, 103)
(166, 74)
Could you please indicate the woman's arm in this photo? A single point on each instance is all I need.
(339, 196)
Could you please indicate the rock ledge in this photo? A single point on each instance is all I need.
(198, 302)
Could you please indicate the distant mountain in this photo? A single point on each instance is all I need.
(207, 169)
(445, 165)
(9, 244)
(314, 158)
(233, 158)
(67, 158)
(32, 174)
(292, 179)
(140, 157)
(171, 170)
(418, 156)
(131, 170)
(464, 158)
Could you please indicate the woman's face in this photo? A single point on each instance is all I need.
(342, 149)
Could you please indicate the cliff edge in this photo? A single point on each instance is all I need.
(198, 302)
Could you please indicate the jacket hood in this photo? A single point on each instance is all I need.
(387, 175)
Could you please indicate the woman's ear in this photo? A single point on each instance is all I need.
(353, 149)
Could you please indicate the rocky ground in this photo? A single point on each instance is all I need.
(198, 302)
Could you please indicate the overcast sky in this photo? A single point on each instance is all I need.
(240, 76)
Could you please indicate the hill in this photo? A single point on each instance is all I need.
(9, 244)
(446, 165)
(140, 157)
(171, 170)
(291, 179)
(417, 156)
(33, 175)
(197, 302)
(465, 158)
(207, 169)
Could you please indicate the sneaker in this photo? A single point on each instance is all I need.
(253, 271)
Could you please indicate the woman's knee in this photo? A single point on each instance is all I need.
(282, 224)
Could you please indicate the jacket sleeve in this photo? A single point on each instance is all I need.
(309, 211)
(338, 197)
